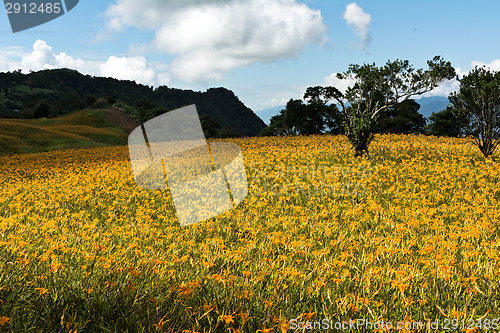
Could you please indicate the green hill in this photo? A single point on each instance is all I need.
(88, 128)
(51, 93)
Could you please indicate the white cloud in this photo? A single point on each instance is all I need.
(65, 61)
(42, 57)
(4, 63)
(359, 20)
(124, 68)
(164, 79)
(341, 85)
(494, 65)
(211, 38)
(149, 14)
(443, 90)
(274, 103)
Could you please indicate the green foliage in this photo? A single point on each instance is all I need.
(213, 130)
(478, 100)
(377, 89)
(42, 110)
(315, 117)
(446, 123)
(144, 107)
(361, 134)
(101, 103)
(402, 118)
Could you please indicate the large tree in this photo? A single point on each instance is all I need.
(377, 89)
(478, 100)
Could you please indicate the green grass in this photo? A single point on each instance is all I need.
(28, 90)
(80, 129)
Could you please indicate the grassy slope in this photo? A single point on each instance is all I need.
(81, 129)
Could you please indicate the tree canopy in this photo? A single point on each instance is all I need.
(478, 100)
(377, 89)
(313, 117)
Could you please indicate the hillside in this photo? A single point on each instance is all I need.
(50, 93)
(88, 128)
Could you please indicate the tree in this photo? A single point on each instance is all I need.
(299, 118)
(377, 89)
(90, 100)
(144, 107)
(42, 110)
(328, 117)
(70, 101)
(287, 122)
(402, 118)
(478, 99)
(446, 123)
(213, 130)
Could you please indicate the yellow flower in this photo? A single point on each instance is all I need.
(266, 330)
(4, 320)
(42, 291)
(268, 304)
(227, 319)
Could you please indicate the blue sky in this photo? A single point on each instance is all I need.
(266, 51)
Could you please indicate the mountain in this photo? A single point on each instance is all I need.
(428, 105)
(267, 114)
(51, 93)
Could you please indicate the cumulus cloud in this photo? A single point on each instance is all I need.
(66, 61)
(150, 14)
(341, 85)
(124, 68)
(360, 21)
(42, 57)
(494, 65)
(163, 79)
(212, 37)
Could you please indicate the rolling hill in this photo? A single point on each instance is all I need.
(88, 128)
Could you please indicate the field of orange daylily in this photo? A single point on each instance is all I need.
(408, 233)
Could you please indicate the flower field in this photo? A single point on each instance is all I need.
(409, 233)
